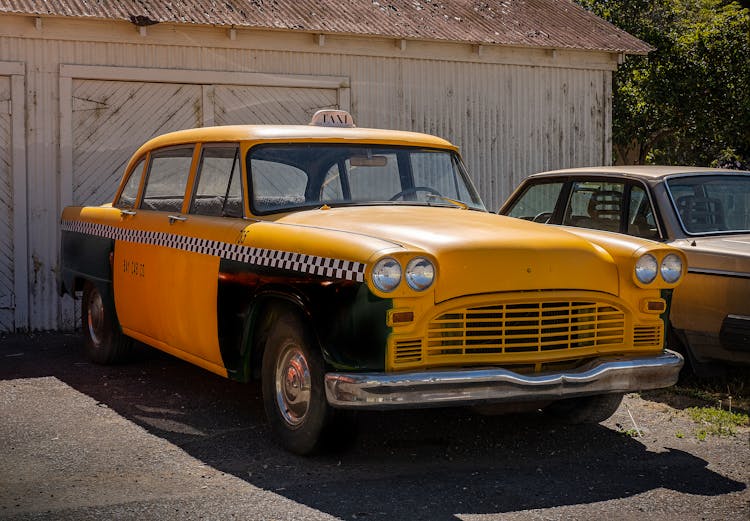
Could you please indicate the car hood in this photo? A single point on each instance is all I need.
(726, 252)
(476, 252)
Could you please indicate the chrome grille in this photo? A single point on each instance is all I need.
(525, 327)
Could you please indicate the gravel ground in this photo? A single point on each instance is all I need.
(160, 439)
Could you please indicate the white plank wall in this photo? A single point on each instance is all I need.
(7, 253)
(510, 119)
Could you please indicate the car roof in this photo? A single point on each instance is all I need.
(654, 172)
(286, 133)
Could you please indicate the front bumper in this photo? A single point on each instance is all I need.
(460, 387)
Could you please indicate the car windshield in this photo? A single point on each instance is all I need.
(712, 203)
(298, 175)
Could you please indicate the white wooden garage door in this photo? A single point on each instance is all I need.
(6, 210)
(111, 119)
(251, 105)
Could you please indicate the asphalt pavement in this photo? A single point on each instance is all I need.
(158, 438)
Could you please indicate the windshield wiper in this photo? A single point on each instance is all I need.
(454, 202)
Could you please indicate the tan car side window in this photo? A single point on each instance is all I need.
(537, 203)
(596, 205)
(641, 220)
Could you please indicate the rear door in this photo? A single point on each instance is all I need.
(167, 263)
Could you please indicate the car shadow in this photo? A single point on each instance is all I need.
(433, 464)
(727, 391)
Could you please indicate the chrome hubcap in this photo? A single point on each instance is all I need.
(293, 384)
(95, 318)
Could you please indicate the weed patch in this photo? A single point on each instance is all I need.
(717, 422)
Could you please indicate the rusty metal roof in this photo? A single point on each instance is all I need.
(551, 24)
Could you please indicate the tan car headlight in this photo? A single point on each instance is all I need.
(671, 268)
(646, 269)
(386, 274)
(420, 273)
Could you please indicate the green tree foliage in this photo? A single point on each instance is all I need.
(688, 101)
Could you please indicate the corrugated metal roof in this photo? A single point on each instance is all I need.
(552, 24)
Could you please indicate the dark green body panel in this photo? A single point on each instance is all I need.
(346, 319)
(87, 257)
(84, 256)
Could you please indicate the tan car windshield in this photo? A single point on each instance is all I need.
(712, 203)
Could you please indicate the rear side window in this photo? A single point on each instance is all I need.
(129, 193)
(167, 178)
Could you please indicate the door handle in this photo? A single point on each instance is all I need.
(173, 218)
(127, 212)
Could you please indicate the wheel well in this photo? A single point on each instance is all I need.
(261, 318)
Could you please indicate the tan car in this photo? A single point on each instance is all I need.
(703, 211)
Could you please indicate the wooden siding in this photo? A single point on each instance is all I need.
(111, 119)
(7, 254)
(236, 104)
(513, 112)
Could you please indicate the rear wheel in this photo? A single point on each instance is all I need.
(586, 409)
(103, 341)
(293, 389)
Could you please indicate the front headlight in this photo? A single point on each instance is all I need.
(420, 273)
(671, 268)
(386, 274)
(646, 268)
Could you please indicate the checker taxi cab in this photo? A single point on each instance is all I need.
(350, 268)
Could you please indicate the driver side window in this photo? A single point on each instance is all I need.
(537, 203)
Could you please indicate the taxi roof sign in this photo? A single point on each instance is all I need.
(332, 118)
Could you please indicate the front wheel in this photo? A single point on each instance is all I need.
(586, 409)
(103, 341)
(293, 389)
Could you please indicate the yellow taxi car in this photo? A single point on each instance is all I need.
(703, 211)
(350, 268)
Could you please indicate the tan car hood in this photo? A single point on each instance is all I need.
(727, 252)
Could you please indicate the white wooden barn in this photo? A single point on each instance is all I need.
(520, 85)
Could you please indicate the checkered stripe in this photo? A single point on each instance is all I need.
(286, 260)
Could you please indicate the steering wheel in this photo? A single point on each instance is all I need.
(542, 217)
(414, 190)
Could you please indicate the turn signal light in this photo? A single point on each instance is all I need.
(653, 305)
(399, 317)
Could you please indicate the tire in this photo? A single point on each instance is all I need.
(587, 409)
(104, 343)
(292, 377)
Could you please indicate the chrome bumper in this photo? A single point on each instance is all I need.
(492, 385)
